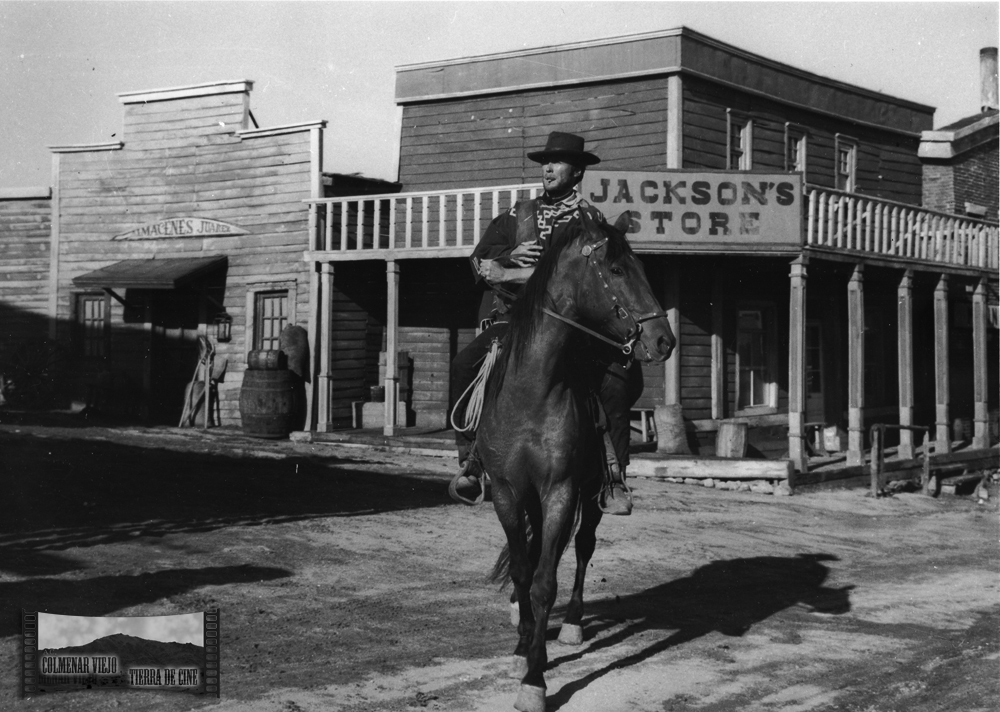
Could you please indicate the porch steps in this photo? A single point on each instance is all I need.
(702, 468)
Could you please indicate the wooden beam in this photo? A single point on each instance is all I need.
(324, 424)
(54, 250)
(942, 379)
(718, 351)
(856, 367)
(672, 367)
(312, 393)
(980, 370)
(391, 341)
(904, 336)
(675, 124)
(797, 452)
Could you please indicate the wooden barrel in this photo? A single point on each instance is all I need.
(269, 403)
(266, 360)
(731, 440)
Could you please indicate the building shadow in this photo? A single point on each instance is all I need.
(727, 597)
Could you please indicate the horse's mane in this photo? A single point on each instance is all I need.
(526, 313)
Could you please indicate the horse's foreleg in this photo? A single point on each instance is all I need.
(556, 529)
(571, 632)
(510, 512)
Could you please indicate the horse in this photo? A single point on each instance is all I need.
(537, 438)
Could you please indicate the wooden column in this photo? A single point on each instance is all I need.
(675, 127)
(856, 367)
(981, 435)
(797, 366)
(325, 347)
(942, 379)
(904, 336)
(391, 354)
(312, 395)
(718, 352)
(54, 250)
(672, 367)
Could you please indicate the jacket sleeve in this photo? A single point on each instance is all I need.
(498, 241)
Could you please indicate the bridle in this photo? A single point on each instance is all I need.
(634, 333)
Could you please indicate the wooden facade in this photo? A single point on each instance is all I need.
(831, 332)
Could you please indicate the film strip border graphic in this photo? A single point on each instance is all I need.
(30, 662)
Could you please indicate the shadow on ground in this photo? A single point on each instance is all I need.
(63, 492)
(728, 597)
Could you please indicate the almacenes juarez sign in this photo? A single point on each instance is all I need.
(701, 210)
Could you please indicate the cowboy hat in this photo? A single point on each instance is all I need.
(564, 147)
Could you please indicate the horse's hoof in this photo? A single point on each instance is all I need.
(530, 699)
(570, 634)
(515, 614)
(518, 667)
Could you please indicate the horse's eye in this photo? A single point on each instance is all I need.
(617, 271)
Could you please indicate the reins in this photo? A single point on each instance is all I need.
(633, 334)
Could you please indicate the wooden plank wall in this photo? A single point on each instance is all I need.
(182, 158)
(482, 141)
(888, 166)
(25, 228)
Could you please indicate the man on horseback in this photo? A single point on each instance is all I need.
(505, 258)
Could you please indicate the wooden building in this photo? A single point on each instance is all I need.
(192, 223)
(836, 303)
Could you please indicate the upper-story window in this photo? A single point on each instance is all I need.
(796, 142)
(739, 145)
(846, 163)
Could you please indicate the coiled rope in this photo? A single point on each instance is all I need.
(476, 393)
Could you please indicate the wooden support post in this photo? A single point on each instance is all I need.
(55, 249)
(856, 367)
(980, 387)
(672, 366)
(312, 393)
(718, 352)
(942, 380)
(797, 452)
(325, 347)
(675, 129)
(391, 340)
(904, 335)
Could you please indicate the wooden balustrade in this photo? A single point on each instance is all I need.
(856, 222)
(428, 223)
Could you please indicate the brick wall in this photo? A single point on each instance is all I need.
(975, 178)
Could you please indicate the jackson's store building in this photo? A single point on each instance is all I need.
(777, 212)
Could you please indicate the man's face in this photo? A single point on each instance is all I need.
(559, 177)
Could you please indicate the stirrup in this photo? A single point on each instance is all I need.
(605, 496)
(482, 477)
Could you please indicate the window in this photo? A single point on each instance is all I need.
(270, 317)
(93, 322)
(795, 148)
(846, 163)
(755, 356)
(739, 144)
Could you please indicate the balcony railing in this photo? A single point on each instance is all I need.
(450, 222)
(849, 221)
(421, 224)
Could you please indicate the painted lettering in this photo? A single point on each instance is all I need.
(691, 222)
(671, 192)
(749, 223)
(726, 193)
(749, 191)
(645, 186)
(660, 217)
(594, 198)
(718, 223)
(786, 194)
(623, 193)
(701, 192)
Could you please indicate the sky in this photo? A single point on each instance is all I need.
(63, 63)
(57, 631)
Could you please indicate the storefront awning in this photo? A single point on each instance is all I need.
(169, 273)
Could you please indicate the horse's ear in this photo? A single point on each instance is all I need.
(624, 222)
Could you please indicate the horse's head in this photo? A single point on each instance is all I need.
(608, 291)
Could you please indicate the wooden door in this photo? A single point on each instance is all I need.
(815, 376)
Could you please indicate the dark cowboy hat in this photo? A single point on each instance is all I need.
(565, 147)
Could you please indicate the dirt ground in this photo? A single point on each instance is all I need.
(348, 581)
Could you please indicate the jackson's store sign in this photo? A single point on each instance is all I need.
(700, 211)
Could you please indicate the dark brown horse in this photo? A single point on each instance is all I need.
(537, 438)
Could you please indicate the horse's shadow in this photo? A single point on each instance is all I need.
(728, 597)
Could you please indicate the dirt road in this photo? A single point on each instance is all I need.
(348, 581)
